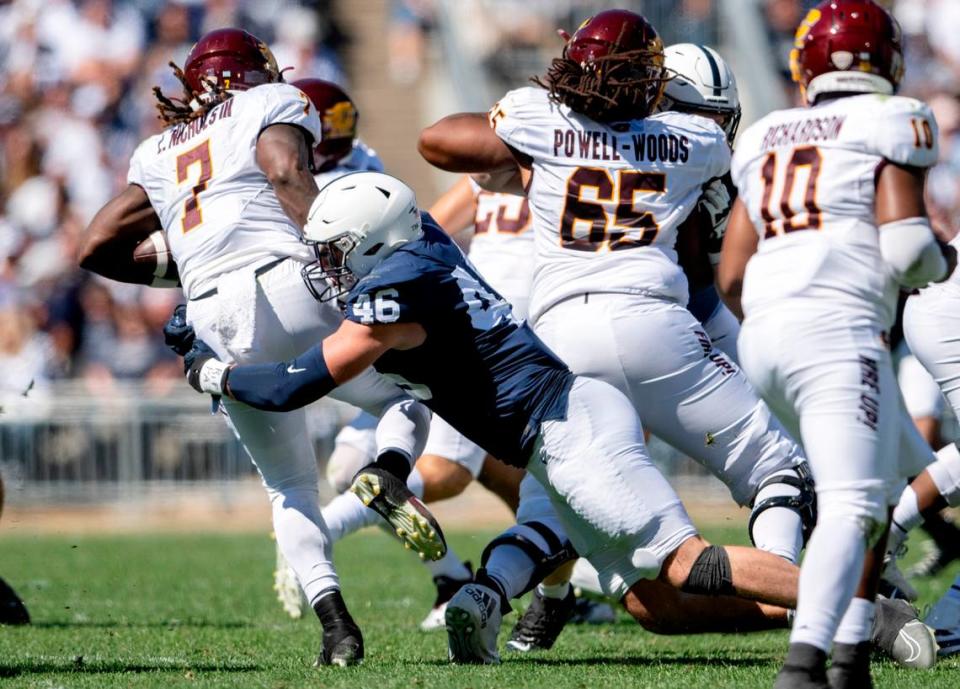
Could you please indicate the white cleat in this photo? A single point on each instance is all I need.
(435, 619)
(473, 620)
(287, 587)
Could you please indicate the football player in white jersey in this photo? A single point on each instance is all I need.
(230, 185)
(500, 248)
(831, 218)
(608, 294)
(338, 151)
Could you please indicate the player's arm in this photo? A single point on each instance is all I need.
(907, 243)
(287, 385)
(740, 242)
(466, 142)
(283, 154)
(108, 243)
(456, 209)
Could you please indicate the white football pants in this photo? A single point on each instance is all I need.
(685, 390)
(288, 321)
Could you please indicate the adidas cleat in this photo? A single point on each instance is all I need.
(446, 589)
(473, 621)
(541, 624)
(899, 633)
(410, 519)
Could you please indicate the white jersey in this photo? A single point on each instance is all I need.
(502, 247)
(808, 179)
(607, 199)
(214, 202)
(362, 158)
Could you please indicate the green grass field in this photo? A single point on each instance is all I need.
(198, 611)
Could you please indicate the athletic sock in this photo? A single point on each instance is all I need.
(828, 578)
(450, 566)
(395, 463)
(906, 516)
(345, 514)
(857, 622)
(331, 608)
(558, 591)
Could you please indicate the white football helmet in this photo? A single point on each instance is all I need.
(701, 83)
(354, 223)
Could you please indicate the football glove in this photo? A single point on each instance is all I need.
(204, 371)
(177, 334)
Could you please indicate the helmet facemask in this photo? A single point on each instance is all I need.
(329, 277)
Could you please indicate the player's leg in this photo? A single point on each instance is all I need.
(280, 447)
(502, 480)
(724, 329)
(12, 609)
(690, 395)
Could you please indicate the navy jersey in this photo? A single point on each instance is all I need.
(486, 373)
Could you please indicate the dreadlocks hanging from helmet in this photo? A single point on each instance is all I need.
(221, 61)
(611, 68)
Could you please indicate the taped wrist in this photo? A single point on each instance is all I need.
(283, 386)
(711, 574)
(212, 376)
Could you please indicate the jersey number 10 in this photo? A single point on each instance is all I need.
(805, 156)
(192, 216)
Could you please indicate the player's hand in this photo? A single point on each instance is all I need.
(177, 335)
(204, 371)
(717, 203)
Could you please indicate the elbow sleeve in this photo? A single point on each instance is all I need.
(911, 251)
(282, 386)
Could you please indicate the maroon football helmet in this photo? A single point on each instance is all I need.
(614, 32)
(339, 117)
(232, 59)
(847, 46)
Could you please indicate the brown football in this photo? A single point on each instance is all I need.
(154, 253)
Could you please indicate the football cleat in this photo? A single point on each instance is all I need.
(541, 624)
(804, 668)
(410, 519)
(342, 640)
(12, 609)
(473, 620)
(899, 633)
(446, 588)
(287, 587)
(850, 668)
(936, 558)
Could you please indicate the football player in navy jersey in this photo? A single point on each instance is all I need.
(418, 311)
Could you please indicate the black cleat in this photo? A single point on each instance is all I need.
(342, 640)
(804, 668)
(541, 624)
(389, 497)
(850, 668)
(12, 609)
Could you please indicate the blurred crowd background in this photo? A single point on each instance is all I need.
(75, 99)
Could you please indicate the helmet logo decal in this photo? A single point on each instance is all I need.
(340, 121)
(842, 59)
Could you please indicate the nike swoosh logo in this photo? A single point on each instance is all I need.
(291, 369)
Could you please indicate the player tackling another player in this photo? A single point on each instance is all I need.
(229, 183)
(829, 223)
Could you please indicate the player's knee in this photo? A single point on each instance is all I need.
(545, 547)
(711, 573)
(790, 489)
(344, 463)
(865, 507)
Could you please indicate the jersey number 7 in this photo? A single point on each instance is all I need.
(626, 217)
(192, 216)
